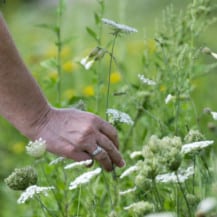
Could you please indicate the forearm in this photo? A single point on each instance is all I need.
(21, 101)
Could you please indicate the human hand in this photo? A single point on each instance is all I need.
(76, 134)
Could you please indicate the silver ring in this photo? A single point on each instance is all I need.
(97, 151)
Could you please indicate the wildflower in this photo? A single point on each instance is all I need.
(118, 116)
(89, 90)
(196, 146)
(96, 54)
(140, 208)
(162, 214)
(115, 77)
(22, 178)
(194, 136)
(169, 98)
(214, 115)
(69, 66)
(76, 164)
(129, 171)
(119, 28)
(210, 52)
(181, 176)
(31, 191)
(84, 178)
(37, 148)
(135, 154)
(56, 161)
(206, 206)
(127, 191)
(146, 80)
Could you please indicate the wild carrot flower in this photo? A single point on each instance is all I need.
(196, 146)
(127, 191)
(135, 154)
(57, 161)
(194, 136)
(129, 171)
(77, 164)
(37, 148)
(140, 208)
(33, 190)
(162, 214)
(118, 116)
(84, 178)
(119, 28)
(169, 98)
(146, 80)
(21, 178)
(181, 176)
(206, 206)
(214, 115)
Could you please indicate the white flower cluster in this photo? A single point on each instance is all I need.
(127, 191)
(146, 80)
(196, 146)
(56, 161)
(120, 27)
(135, 154)
(87, 63)
(206, 206)
(162, 214)
(84, 178)
(31, 191)
(169, 98)
(118, 116)
(37, 148)
(129, 171)
(77, 164)
(183, 175)
(214, 115)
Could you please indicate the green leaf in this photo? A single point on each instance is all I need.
(97, 18)
(49, 63)
(53, 28)
(92, 33)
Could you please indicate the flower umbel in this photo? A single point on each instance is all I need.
(77, 164)
(31, 191)
(146, 80)
(84, 178)
(37, 148)
(119, 28)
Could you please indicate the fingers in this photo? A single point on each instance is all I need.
(108, 130)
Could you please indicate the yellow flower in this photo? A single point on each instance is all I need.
(115, 77)
(69, 66)
(69, 93)
(88, 90)
(163, 88)
(18, 147)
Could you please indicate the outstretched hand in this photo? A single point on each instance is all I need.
(77, 134)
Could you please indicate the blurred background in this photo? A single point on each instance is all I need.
(37, 44)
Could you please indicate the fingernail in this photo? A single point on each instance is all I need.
(122, 163)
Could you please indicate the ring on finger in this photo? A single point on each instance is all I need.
(97, 151)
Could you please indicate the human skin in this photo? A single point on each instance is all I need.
(68, 132)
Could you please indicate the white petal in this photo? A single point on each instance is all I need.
(214, 115)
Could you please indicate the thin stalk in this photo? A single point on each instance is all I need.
(79, 199)
(184, 195)
(157, 194)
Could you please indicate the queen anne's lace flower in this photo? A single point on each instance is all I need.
(36, 148)
(77, 164)
(135, 154)
(129, 171)
(119, 27)
(183, 175)
(56, 161)
(31, 191)
(162, 214)
(127, 191)
(146, 80)
(169, 98)
(118, 116)
(84, 178)
(196, 146)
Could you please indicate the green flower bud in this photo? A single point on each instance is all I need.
(194, 136)
(22, 178)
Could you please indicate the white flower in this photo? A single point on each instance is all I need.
(76, 164)
(31, 191)
(214, 115)
(56, 161)
(214, 55)
(119, 27)
(146, 80)
(169, 98)
(115, 115)
(127, 191)
(206, 206)
(84, 178)
(129, 171)
(162, 214)
(87, 62)
(196, 146)
(84, 60)
(183, 175)
(36, 148)
(135, 154)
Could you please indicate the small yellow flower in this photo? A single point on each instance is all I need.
(88, 90)
(69, 66)
(18, 147)
(163, 88)
(69, 93)
(115, 77)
